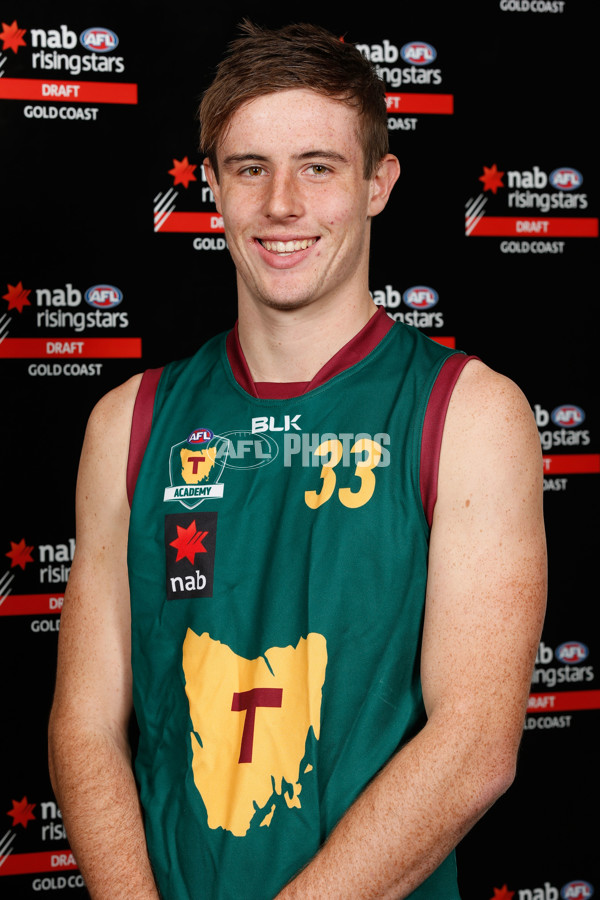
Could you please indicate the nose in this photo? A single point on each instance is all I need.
(282, 198)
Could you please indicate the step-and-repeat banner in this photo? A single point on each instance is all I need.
(113, 259)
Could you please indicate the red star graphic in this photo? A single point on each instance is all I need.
(21, 812)
(12, 36)
(17, 296)
(20, 554)
(502, 893)
(189, 542)
(183, 172)
(492, 178)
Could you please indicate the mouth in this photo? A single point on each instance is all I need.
(286, 248)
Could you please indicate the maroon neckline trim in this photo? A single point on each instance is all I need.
(349, 355)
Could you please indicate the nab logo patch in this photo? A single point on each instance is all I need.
(190, 542)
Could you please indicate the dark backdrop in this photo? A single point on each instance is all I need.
(112, 260)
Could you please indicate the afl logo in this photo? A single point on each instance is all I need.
(577, 890)
(420, 297)
(99, 40)
(200, 435)
(566, 179)
(248, 450)
(103, 296)
(571, 652)
(418, 53)
(567, 416)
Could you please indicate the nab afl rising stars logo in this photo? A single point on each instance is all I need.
(196, 466)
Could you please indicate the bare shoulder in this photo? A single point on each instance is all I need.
(487, 538)
(101, 501)
(490, 430)
(93, 672)
(487, 564)
(482, 392)
(106, 444)
(114, 410)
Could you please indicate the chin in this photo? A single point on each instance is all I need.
(289, 306)
(286, 304)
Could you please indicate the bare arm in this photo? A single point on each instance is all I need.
(90, 764)
(484, 610)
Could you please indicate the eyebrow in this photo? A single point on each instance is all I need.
(237, 158)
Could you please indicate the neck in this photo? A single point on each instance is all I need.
(294, 345)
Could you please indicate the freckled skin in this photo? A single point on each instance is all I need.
(276, 192)
(291, 167)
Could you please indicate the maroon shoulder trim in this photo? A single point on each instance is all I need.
(238, 363)
(141, 424)
(433, 429)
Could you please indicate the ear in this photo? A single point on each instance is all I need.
(382, 182)
(213, 182)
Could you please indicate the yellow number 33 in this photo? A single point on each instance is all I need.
(364, 470)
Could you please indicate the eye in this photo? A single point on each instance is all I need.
(318, 169)
(254, 171)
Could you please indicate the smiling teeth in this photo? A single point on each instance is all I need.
(288, 246)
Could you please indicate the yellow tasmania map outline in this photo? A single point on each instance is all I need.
(235, 791)
(197, 464)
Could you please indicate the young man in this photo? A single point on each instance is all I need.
(335, 579)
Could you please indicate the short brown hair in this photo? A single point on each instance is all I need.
(296, 56)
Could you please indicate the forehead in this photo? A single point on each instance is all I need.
(292, 120)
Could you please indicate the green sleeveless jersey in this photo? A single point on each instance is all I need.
(278, 565)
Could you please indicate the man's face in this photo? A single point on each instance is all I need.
(294, 201)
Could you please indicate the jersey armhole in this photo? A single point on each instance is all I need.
(433, 429)
(141, 425)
